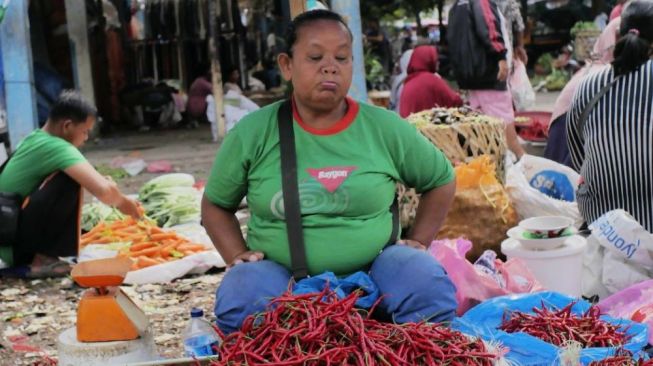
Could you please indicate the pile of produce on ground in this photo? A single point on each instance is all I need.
(559, 327)
(555, 334)
(171, 199)
(447, 116)
(96, 212)
(142, 241)
(622, 358)
(321, 329)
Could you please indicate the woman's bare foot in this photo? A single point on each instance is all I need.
(43, 266)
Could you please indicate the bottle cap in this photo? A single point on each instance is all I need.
(196, 313)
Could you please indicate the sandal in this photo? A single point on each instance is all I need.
(54, 269)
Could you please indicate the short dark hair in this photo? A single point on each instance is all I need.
(306, 18)
(72, 105)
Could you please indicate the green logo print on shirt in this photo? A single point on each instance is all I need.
(321, 195)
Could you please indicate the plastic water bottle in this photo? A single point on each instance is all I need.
(200, 339)
(485, 264)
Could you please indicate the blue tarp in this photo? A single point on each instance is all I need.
(341, 286)
(484, 319)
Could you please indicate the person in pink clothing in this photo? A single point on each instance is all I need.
(199, 89)
(557, 149)
(424, 88)
(618, 9)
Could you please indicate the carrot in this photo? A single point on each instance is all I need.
(191, 247)
(149, 252)
(141, 246)
(165, 251)
(156, 230)
(98, 228)
(88, 240)
(163, 236)
(144, 262)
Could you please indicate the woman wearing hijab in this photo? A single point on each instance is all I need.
(424, 88)
(398, 81)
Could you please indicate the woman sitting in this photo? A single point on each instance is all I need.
(424, 88)
(48, 171)
(350, 156)
(611, 148)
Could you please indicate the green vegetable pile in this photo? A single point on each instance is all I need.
(94, 213)
(556, 80)
(582, 26)
(171, 199)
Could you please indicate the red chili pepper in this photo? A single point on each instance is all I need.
(321, 329)
(560, 326)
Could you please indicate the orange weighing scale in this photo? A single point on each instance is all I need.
(105, 313)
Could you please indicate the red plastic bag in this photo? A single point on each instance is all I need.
(473, 286)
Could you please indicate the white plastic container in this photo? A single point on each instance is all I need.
(74, 353)
(558, 269)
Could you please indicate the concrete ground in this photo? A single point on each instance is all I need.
(189, 151)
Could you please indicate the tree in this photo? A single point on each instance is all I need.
(394, 9)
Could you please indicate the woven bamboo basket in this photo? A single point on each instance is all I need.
(460, 142)
(584, 43)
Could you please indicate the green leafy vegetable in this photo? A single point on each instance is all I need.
(171, 199)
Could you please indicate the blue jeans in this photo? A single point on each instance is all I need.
(415, 286)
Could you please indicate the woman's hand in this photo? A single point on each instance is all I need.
(131, 208)
(503, 71)
(412, 243)
(246, 256)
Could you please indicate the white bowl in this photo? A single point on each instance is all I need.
(546, 226)
(517, 233)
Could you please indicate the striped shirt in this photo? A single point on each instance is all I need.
(616, 157)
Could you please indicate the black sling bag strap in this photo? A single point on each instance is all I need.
(10, 207)
(588, 108)
(290, 190)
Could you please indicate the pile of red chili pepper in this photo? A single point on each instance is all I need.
(622, 358)
(320, 329)
(559, 327)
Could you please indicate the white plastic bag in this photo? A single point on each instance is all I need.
(593, 270)
(626, 249)
(523, 95)
(618, 274)
(236, 106)
(621, 234)
(528, 201)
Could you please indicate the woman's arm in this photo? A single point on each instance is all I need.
(104, 189)
(224, 230)
(431, 212)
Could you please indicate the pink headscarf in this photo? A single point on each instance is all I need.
(604, 48)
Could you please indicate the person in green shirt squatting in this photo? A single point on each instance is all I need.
(48, 171)
(350, 156)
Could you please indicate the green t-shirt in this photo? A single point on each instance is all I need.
(38, 155)
(347, 177)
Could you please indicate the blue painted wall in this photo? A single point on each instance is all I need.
(350, 10)
(16, 52)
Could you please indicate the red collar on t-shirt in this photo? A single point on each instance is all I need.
(345, 121)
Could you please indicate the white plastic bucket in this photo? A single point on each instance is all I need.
(71, 352)
(559, 269)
